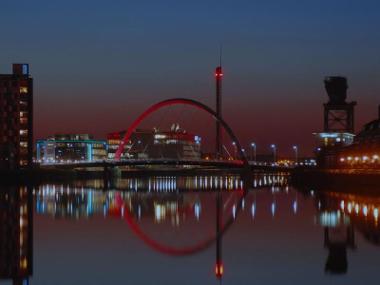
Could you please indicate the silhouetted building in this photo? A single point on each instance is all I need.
(70, 148)
(16, 118)
(16, 234)
(338, 114)
(155, 144)
(338, 122)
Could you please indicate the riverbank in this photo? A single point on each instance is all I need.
(337, 178)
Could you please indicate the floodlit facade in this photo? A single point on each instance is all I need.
(155, 144)
(70, 148)
(16, 118)
(365, 150)
(134, 148)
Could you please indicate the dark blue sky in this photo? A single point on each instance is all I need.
(98, 64)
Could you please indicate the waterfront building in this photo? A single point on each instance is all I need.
(134, 148)
(175, 143)
(364, 152)
(70, 148)
(16, 118)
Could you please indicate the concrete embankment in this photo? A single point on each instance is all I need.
(337, 178)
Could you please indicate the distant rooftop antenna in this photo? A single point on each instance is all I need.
(220, 54)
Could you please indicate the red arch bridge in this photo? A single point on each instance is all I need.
(242, 163)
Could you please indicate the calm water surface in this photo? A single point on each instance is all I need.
(181, 230)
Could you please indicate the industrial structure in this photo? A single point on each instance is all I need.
(16, 118)
(70, 148)
(338, 122)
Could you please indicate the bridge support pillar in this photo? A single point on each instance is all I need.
(110, 175)
(247, 177)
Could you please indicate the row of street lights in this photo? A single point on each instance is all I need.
(274, 149)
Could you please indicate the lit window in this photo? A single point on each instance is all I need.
(24, 144)
(23, 90)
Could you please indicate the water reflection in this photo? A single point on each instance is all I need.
(160, 197)
(16, 234)
(187, 215)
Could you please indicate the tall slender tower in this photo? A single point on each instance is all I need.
(218, 140)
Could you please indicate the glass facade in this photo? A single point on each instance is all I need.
(70, 148)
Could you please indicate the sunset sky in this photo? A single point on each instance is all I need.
(98, 64)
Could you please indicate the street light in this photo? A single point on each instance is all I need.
(295, 148)
(235, 149)
(273, 147)
(253, 152)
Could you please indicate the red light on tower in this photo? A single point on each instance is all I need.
(218, 72)
(219, 270)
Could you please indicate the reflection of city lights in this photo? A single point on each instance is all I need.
(295, 206)
(329, 219)
(349, 208)
(253, 210)
(376, 213)
(159, 212)
(234, 211)
(342, 205)
(197, 210)
(365, 211)
(138, 212)
(273, 208)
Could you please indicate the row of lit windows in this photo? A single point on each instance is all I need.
(114, 142)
